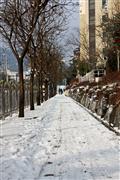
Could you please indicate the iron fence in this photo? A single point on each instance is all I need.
(9, 98)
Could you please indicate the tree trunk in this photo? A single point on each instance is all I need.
(55, 89)
(21, 89)
(46, 90)
(41, 87)
(38, 90)
(32, 91)
(50, 89)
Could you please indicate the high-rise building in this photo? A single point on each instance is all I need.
(92, 14)
(91, 29)
(87, 31)
(84, 33)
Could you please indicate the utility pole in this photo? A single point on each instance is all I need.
(118, 60)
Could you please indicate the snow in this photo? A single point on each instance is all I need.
(58, 141)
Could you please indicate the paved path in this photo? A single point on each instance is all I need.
(58, 141)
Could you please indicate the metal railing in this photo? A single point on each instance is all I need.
(9, 98)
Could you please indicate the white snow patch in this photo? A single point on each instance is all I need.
(59, 140)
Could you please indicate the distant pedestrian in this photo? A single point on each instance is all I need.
(60, 91)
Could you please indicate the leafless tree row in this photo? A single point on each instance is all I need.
(31, 29)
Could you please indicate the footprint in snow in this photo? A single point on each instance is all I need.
(47, 175)
(49, 162)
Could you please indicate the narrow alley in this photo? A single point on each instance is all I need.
(57, 141)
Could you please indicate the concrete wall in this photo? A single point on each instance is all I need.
(104, 101)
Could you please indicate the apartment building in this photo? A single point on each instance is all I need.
(92, 13)
(87, 31)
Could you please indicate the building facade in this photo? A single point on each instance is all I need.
(91, 29)
(92, 14)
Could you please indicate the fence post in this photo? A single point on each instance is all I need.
(10, 99)
(3, 100)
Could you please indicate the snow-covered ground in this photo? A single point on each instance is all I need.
(58, 141)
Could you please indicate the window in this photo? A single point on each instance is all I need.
(92, 12)
(99, 72)
(105, 18)
(91, 4)
(104, 3)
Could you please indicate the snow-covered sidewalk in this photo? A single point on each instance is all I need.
(58, 141)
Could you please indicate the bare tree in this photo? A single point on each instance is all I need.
(18, 20)
(109, 32)
(48, 28)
